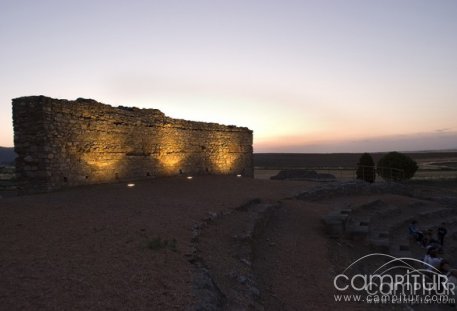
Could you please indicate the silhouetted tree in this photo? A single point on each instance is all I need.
(396, 166)
(366, 169)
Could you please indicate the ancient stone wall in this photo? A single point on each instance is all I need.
(64, 143)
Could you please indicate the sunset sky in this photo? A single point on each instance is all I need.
(306, 76)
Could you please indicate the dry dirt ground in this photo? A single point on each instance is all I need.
(98, 247)
(87, 248)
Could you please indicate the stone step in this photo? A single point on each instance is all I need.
(359, 231)
(380, 244)
(392, 222)
(345, 211)
(334, 224)
(370, 208)
(401, 249)
(376, 234)
(426, 217)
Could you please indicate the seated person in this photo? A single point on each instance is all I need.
(431, 259)
(446, 269)
(442, 231)
(415, 232)
(429, 240)
(451, 275)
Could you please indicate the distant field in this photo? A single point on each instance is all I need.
(7, 178)
(340, 174)
(432, 165)
(290, 160)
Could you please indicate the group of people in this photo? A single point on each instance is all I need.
(433, 245)
(427, 239)
(433, 260)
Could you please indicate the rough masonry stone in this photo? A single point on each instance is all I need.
(62, 143)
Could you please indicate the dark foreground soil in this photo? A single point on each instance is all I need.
(96, 248)
(110, 247)
(297, 262)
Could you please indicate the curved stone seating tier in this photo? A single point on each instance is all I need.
(380, 221)
(391, 218)
(400, 238)
(428, 220)
(370, 208)
(360, 218)
(385, 227)
(382, 235)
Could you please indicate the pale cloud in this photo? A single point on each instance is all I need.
(444, 130)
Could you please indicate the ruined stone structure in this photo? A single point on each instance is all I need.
(63, 143)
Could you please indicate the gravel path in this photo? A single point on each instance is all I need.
(292, 260)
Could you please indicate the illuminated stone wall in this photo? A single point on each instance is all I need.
(64, 143)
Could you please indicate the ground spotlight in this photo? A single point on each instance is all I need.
(130, 185)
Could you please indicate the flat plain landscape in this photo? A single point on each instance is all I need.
(432, 165)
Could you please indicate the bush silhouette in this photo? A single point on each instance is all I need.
(365, 168)
(396, 166)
